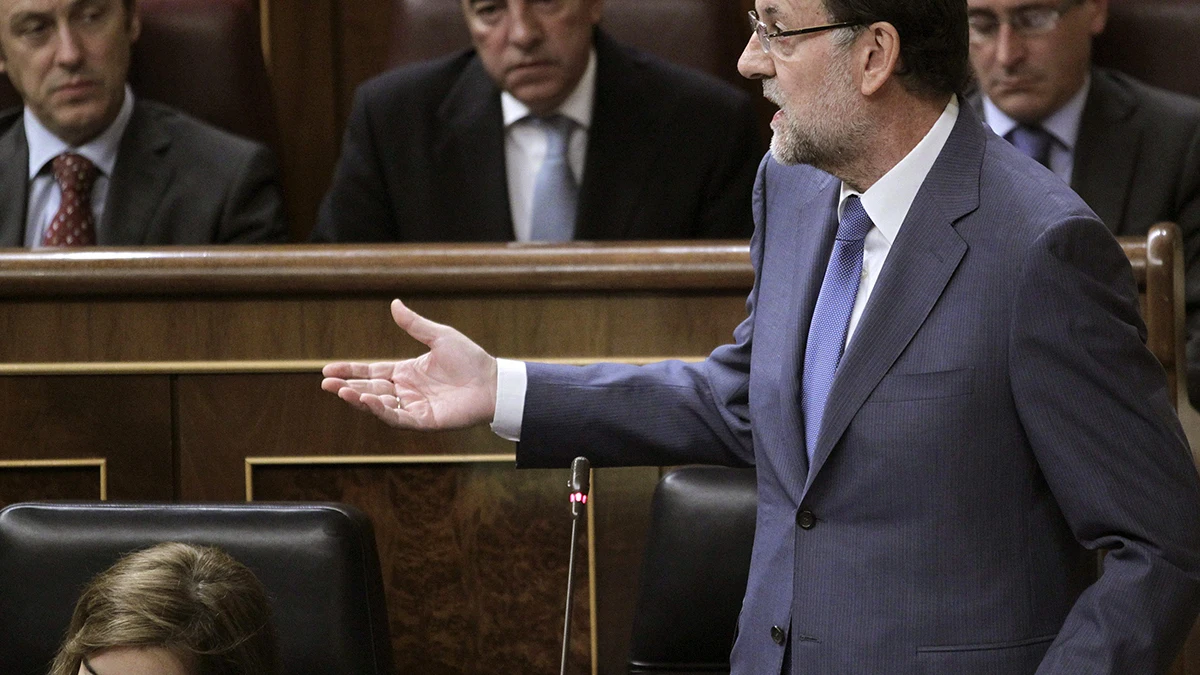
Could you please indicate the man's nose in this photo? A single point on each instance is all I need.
(1010, 46)
(754, 63)
(69, 52)
(525, 28)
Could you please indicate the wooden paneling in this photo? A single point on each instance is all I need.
(474, 559)
(176, 365)
(123, 420)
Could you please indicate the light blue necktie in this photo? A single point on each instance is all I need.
(831, 317)
(555, 194)
(1033, 141)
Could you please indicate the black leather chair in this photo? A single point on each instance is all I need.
(1155, 41)
(318, 563)
(694, 572)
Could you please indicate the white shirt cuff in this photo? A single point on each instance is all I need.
(510, 399)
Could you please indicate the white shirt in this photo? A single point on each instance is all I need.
(525, 145)
(1063, 125)
(887, 202)
(44, 146)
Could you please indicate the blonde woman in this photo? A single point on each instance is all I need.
(172, 609)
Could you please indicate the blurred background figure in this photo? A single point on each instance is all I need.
(1132, 151)
(83, 162)
(548, 130)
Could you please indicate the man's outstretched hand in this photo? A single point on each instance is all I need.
(451, 386)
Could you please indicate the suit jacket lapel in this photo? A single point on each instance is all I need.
(810, 247)
(14, 185)
(469, 158)
(919, 265)
(1107, 149)
(139, 181)
(622, 144)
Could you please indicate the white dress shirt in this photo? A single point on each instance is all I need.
(1063, 126)
(525, 145)
(887, 202)
(44, 146)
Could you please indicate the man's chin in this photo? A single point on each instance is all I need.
(540, 96)
(78, 126)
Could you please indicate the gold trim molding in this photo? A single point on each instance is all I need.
(91, 462)
(269, 366)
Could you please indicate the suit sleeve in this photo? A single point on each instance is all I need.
(726, 213)
(656, 415)
(357, 207)
(253, 212)
(1094, 404)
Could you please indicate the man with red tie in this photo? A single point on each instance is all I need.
(84, 162)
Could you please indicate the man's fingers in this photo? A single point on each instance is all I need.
(421, 329)
(332, 384)
(386, 408)
(373, 386)
(346, 371)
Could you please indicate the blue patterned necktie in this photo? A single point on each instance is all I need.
(1033, 141)
(831, 317)
(555, 194)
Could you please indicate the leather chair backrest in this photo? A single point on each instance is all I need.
(318, 563)
(1155, 41)
(203, 57)
(703, 34)
(694, 573)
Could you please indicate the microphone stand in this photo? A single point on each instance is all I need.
(579, 496)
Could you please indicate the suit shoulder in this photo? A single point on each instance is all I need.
(414, 84)
(201, 138)
(1153, 104)
(1023, 196)
(694, 85)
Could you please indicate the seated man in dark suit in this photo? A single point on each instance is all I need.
(1132, 151)
(85, 163)
(548, 130)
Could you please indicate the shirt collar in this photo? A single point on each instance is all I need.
(887, 201)
(1063, 124)
(101, 150)
(578, 105)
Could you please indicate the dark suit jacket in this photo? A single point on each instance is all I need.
(176, 181)
(995, 417)
(671, 155)
(1137, 163)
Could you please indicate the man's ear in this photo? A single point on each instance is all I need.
(1100, 17)
(135, 22)
(595, 11)
(878, 56)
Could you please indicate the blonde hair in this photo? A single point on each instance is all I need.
(197, 602)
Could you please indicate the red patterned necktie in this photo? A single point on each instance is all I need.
(73, 224)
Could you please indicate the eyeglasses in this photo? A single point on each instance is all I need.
(1024, 21)
(765, 37)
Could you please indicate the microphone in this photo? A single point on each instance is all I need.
(580, 476)
(578, 485)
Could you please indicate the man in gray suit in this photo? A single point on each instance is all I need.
(941, 380)
(85, 163)
(1132, 151)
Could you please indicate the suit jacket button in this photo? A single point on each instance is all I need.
(778, 635)
(806, 520)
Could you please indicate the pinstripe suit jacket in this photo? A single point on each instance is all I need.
(994, 418)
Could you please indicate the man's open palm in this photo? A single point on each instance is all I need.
(451, 386)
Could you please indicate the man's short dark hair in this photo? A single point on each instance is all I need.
(934, 47)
